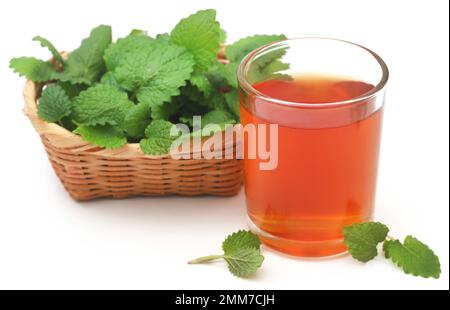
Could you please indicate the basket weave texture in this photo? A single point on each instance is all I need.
(89, 172)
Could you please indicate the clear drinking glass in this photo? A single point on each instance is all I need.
(326, 96)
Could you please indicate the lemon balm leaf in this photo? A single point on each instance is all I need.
(100, 105)
(200, 33)
(138, 32)
(240, 239)
(222, 35)
(244, 262)
(54, 104)
(362, 239)
(109, 79)
(116, 52)
(241, 252)
(155, 146)
(106, 136)
(218, 117)
(272, 70)
(155, 73)
(263, 67)
(72, 90)
(239, 49)
(158, 138)
(200, 80)
(137, 119)
(33, 69)
(158, 128)
(413, 256)
(85, 64)
(166, 110)
(231, 98)
(47, 44)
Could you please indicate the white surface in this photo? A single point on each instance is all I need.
(49, 241)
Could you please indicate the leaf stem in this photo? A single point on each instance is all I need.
(204, 259)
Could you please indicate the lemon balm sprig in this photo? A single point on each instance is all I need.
(241, 252)
(413, 256)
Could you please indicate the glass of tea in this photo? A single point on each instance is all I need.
(324, 99)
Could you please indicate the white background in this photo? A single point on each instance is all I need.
(47, 240)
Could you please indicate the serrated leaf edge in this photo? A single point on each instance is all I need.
(416, 274)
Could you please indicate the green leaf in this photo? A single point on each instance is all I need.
(264, 67)
(33, 68)
(241, 251)
(100, 105)
(189, 107)
(200, 80)
(218, 117)
(192, 94)
(47, 44)
(239, 49)
(106, 136)
(240, 239)
(54, 104)
(244, 262)
(219, 75)
(158, 139)
(109, 79)
(116, 52)
(72, 90)
(85, 64)
(224, 75)
(163, 38)
(413, 256)
(217, 101)
(155, 73)
(261, 71)
(229, 73)
(200, 33)
(137, 119)
(362, 239)
(166, 110)
(232, 100)
(198, 103)
(222, 36)
(138, 32)
(186, 119)
(68, 123)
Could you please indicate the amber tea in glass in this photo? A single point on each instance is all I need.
(326, 96)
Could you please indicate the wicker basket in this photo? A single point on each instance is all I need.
(89, 172)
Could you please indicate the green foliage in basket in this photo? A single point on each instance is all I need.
(133, 89)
